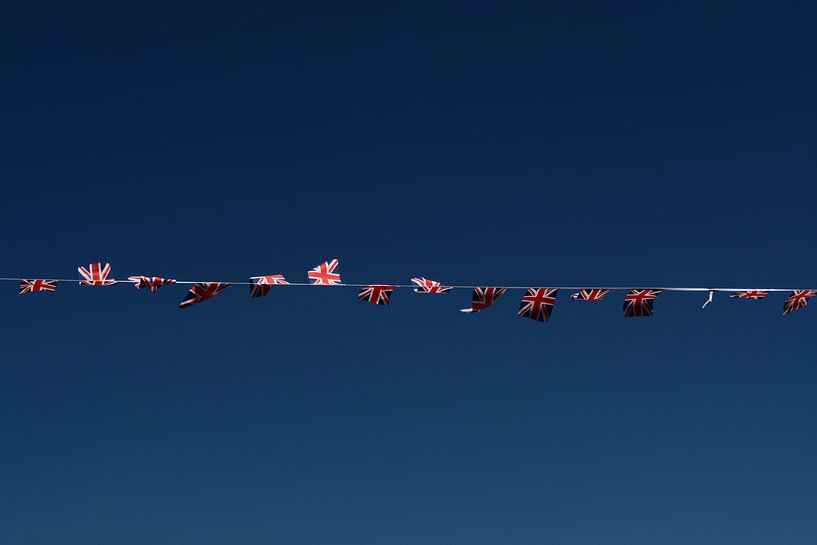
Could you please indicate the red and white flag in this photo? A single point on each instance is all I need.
(483, 298)
(260, 285)
(589, 295)
(152, 283)
(376, 294)
(96, 275)
(324, 274)
(31, 286)
(203, 291)
(750, 294)
(797, 300)
(424, 285)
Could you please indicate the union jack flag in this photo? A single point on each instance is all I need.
(537, 304)
(424, 285)
(324, 274)
(589, 295)
(639, 302)
(260, 285)
(96, 275)
(750, 294)
(483, 298)
(30, 286)
(376, 294)
(203, 291)
(153, 283)
(797, 300)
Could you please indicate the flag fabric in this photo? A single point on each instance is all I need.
(260, 285)
(152, 283)
(750, 294)
(589, 295)
(537, 304)
(709, 298)
(31, 286)
(639, 303)
(424, 285)
(203, 291)
(797, 300)
(324, 274)
(96, 275)
(483, 298)
(376, 294)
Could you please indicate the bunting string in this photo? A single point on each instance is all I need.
(536, 303)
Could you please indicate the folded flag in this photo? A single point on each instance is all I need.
(152, 283)
(797, 300)
(324, 274)
(639, 303)
(203, 291)
(483, 298)
(96, 275)
(537, 304)
(424, 285)
(260, 285)
(30, 286)
(376, 294)
(589, 295)
(750, 294)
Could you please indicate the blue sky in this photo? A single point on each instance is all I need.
(521, 145)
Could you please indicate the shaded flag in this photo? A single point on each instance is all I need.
(424, 285)
(152, 283)
(31, 286)
(203, 291)
(750, 294)
(639, 302)
(260, 285)
(589, 295)
(324, 274)
(376, 294)
(483, 298)
(797, 300)
(537, 304)
(96, 275)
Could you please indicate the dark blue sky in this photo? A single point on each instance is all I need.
(523, 145)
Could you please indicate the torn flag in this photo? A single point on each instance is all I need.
(750, 294)
(797, 300)
(153, 283)
(260, 285)
(589, 295)
(639, 302)
(424, 285)
(324, 274)
(30, 286)
(483, 298)
(537, 304)
(203, 291)
(376, 294)
(96, 275)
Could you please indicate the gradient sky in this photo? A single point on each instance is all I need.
(513, 144)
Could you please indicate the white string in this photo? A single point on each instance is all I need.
(455, 286)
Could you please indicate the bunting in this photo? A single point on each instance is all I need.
(537, 304)
(152, 283)
(203, 291)
(639, 303)
(589, 295)
(424, 285)
(797, 300)
(324, 274)
(376, 294)
(483, 298)
(260, 285)
(96, 275)
(32, 286)
(750, 294)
